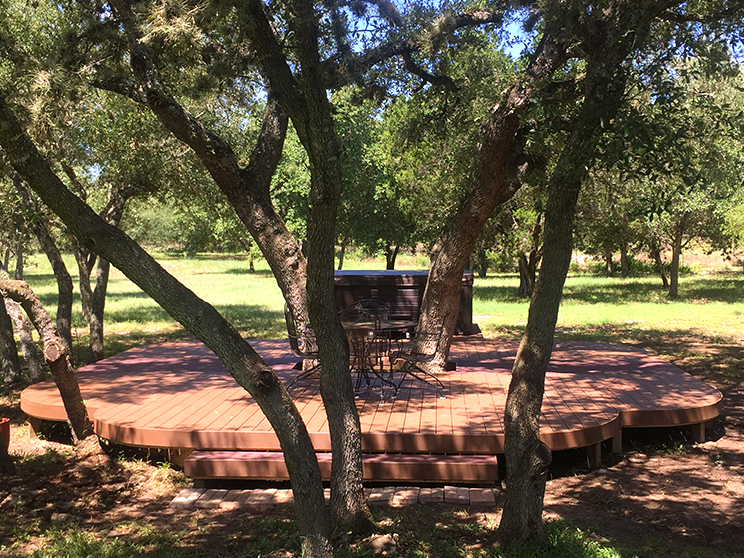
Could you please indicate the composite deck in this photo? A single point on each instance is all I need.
(178, 395)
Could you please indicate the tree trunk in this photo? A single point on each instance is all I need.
(304, 97)
(6, 259)
(608, 262)
(64, 281)
(624, 260)
(56, 354)
(10, 364)
(19, 262)
(341, 254)
(85, 261)
(34, 359)
(527, 457)
(98, 302)
(674, 265)
(112, 214)
(527, 275)
(315, 128)
(391, 253)
(495, 179)
(239, 358)
(655, 253)
(482, 263)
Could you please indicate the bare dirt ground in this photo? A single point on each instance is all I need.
(663, 493)
(665, 489)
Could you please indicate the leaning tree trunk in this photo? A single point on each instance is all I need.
(239, 358)
(9, 362)
(527, 457)
(64, 281)
(495, 179)
(349, 510)
(56, 354)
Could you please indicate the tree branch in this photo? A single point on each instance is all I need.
(273, 62)
(122, 86)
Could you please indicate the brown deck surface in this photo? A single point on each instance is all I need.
(178, 395)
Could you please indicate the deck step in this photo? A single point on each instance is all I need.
(377, 466)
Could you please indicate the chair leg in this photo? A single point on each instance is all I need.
(410, 369)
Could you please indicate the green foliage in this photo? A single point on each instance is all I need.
(371, 215)
(430, 136)
(672, 167)
(291, 185)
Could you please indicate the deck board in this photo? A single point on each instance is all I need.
(179, 395)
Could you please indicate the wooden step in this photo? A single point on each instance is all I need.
(377, 466)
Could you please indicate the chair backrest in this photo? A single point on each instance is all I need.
(377, 307)
(363, 340)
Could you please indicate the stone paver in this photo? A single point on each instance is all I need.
(457, 495)
(482, 497)
(400, 496)
(431, 496)
(405, 496)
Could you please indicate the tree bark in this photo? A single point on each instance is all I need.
(112, 213)
(19, 262)
(482, 263)
(98, 303)
(674, 264)
(247, 189)
(527, 457)
(349, 510)
(495, 179)
(608, 262)
(85, 261)
(624, 260)
(391, 254)
(655, 253)
(34, 359)
(341, 254)
(239, 358)
(64, 281)
(306, 102)
(56, 354)
(527, 275)
(10, 364)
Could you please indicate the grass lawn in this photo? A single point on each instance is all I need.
(710, 304)
(598, 308)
